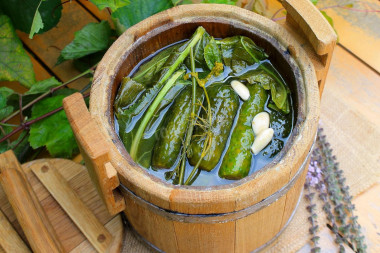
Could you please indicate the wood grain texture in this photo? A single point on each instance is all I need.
(95, 152)
(312, 23)
(156, 32)
(68, 233)
(79, 213)
(319, 33)
(10, 241)
(29, 212)
(119, 60)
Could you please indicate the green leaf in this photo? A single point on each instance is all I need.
(269, 79)
(86, 62)
(43, 86)
(4, 145)
(54, 132)
(240, 52)
(21, 147)
(22, 13)
(212, 54)
(93, 38)
(4, 94)
(150, 112)
(199, 57)
(173, 62)
(37, 23)
(15, 64)
(149, 70)
(5, 111)
(128, 92)
(112, 4)
(139, 10)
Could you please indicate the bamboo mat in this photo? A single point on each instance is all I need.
(350, 117)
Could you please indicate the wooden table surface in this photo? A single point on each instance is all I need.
(354, 73)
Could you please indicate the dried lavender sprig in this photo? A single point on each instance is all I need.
(342, 198)
(312, 219)
(328, 195)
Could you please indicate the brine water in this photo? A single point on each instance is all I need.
(282, 124)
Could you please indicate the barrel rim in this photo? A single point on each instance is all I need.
(204, 199)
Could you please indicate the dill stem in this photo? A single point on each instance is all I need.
(192, 119)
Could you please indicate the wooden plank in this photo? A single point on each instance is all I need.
(368, 210)
(47, 46)
(69, 200)
(30, 214)
(115, 226)
(10, 241)
(78, 179)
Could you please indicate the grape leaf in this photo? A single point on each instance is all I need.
(22, 13)
(43, 86)
(212, 54)
(4, 94)
(94, 37)
(37, 23)
(138, 10)
(54, 132)
(112, 4)
(15, 64)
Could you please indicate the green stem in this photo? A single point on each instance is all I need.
(194, 40)
(150, 112)
(192, 121)
(42, 96)
(8, 125)
(193, 171)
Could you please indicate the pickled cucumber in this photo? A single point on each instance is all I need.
(224, 105)
(237, 160)
(169, 143)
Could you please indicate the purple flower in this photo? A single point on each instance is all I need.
(314, 174)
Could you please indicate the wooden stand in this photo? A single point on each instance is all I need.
(75, 216)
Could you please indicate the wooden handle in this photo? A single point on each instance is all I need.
(94, 150)
(303, 15)
(30, 214)
(316, 28)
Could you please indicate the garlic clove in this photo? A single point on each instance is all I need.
(262, 140)
(260, 122)
(240, 89)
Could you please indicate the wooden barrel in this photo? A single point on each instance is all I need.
(239, 217)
